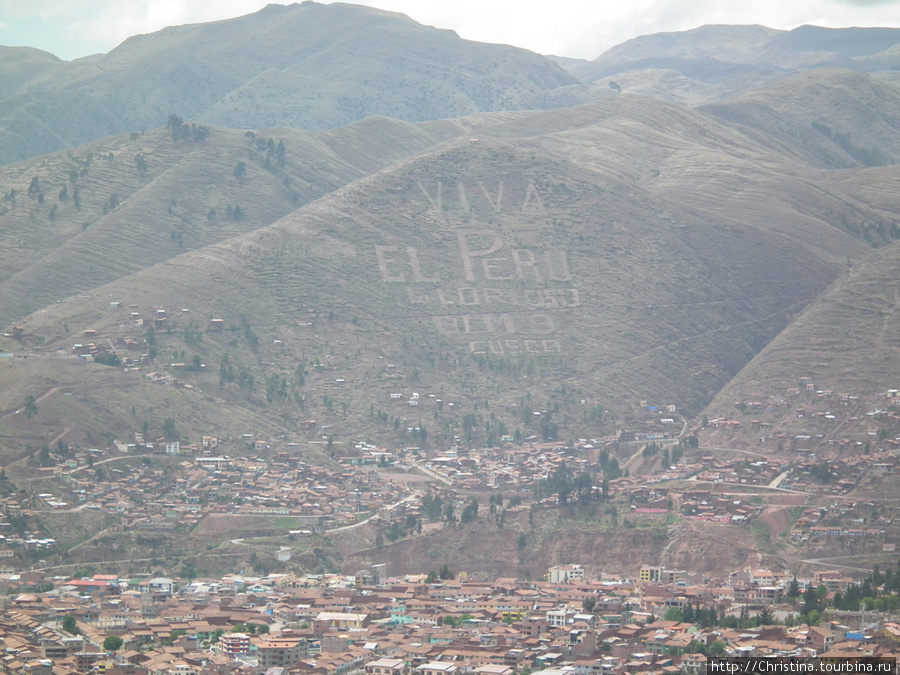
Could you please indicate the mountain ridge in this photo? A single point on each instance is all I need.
(328, 65)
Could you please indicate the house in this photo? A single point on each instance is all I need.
(385, 667)
(564, 574)
(344, 620)
(160, 586)
(235, 644)
(437, 668)
(281, 651)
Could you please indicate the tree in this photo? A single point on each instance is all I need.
(169, 428)
(674, 614)
(44, 456)
(31, 408)
(469, 513)
(810, 601)
(240, 170)
(717, 648)
(589, 603)
(793, 591)
(188, 570)
(113, 643)
(434, 507)
(70, 625)
(140, 163)
(521, 544)
(444, 573)
(764, 617)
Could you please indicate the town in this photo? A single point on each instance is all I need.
(662, 622)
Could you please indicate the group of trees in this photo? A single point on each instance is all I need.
(444, 574)
(567, 486)
(821, 472)
(399, 529)
(609, 465)
(186, 132)
(35, 191)
(878, 591)
(30, 409)
(706, 617)
(107, 359)
(276, 388)
(111, 203)
(269, 147)
(228, 374)
(469, 512)
(433, 507)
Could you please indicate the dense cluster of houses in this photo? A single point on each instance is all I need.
(199, 479)
(372, 624)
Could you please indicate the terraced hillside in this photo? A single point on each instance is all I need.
(78, 219)
(560, 261)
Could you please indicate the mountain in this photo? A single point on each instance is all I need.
(846, 340)
(714, 62)
(593, 265)
(525, 267)
(623, 250)
(315, 67)
(308, 66)
(854, 121)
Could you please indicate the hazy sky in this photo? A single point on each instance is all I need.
(577, 28)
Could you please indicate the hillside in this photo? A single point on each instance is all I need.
(844, 342)
(595, 256)
(714, 62)
(830, 118)
(307, 66)
(489, 260)
(75, 220)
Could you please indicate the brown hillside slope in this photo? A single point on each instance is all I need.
(67, 237)
(846, 341)
(485, 270)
